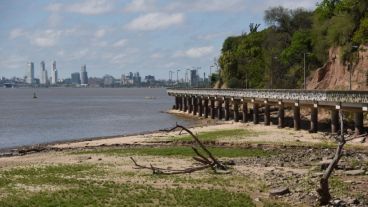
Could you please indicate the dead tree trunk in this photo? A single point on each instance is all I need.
(324, 189)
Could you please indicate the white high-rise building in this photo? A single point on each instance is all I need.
(54, 74)
(30, 73)
(44, 77)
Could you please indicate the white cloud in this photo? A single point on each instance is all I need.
(54, 7)
(92, 7)
(195, 52)
(157, 56)
(206, 5)
(140, 6)
(47, 38)
(15, 33)
(154, 21)
(120, 43)
(100, 33)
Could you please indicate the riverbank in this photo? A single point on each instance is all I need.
(100, 172)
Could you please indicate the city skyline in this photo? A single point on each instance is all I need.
(115, 37)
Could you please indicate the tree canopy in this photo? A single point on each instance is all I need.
(274, 57)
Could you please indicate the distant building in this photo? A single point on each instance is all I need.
(44, 77)
(131, 79)
(108, 81)
(30, 73)
(194, 78)
(150, 79)
(75, 79)
(84, 75)
(54, 74)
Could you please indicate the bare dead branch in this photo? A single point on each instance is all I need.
(163, 171)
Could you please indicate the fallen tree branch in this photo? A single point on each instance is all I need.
(204, 162)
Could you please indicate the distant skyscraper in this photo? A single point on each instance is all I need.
(44, 78)
(54, 73)
(76, 78)
(30, 73)
(84, 75)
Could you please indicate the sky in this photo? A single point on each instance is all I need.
(119, 36)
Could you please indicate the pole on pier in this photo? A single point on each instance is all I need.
(176, 107)
(358, 123)
(281, 115)
(314, 119)
(267, 117)
(296, 116)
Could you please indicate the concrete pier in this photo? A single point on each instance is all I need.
(205, 108)
(358, 123)
(255, 113)
(296, 109)
(212, 108)
(267, 117)
(185, 100)
(200, 107)
(245, 111)
(281, 115)
(314, 119)
(219, 109)
(218, 103)
(227, 109)
(334, 120)
(236, 110)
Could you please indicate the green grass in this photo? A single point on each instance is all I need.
(181, 151)
(75, 186)
(220, 134)
(112, 194)
(51, 174)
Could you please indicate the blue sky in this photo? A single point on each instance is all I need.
(118, 36)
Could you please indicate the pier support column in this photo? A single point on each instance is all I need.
(267, 117)
(334, 120)
(296, 116)
(358, 123)
(205, 107)
(236, 110)
(176, 106)
(255, 113)
(219, 109)
(200, 107)
(181, 103)
(227, 109)
(185, 99)
(195, 105)
(190, 105)
(212, 108)
(245, 111)
(281, 115)
(314, 119)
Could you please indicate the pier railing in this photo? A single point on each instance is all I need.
(354, 97)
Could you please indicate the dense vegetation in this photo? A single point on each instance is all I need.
(274, 56)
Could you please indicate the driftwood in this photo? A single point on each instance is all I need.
(324, 189)
(203, 161)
